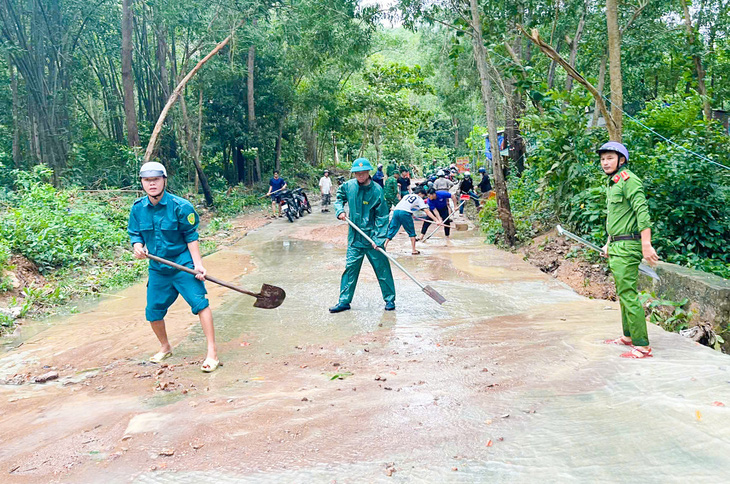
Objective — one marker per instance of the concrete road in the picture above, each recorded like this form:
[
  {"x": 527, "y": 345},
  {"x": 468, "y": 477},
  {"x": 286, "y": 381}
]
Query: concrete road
[{"x": 508, "y": 381}]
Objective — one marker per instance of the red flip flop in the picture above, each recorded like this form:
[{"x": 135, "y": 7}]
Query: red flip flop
[{"x": 637, "y": 354}]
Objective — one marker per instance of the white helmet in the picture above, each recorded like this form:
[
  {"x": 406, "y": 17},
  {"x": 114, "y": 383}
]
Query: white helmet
[
  {"x": 152, "y": 169},
  {"x": 467, "y": 173},
  {"x": 441, "y": 173}
]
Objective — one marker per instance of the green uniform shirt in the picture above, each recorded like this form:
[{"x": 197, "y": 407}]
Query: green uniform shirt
[
  {"x": 368, "y": 211},
  {"x": 391, "y": 188},
  {"x": 628, "y": 212},
  {"x": 165, "y": 228}
]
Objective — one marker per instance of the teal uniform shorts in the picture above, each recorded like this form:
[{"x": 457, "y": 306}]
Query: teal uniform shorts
[
  {"x": 404, "y": 219},
  {"x": 163, "y": 289}
]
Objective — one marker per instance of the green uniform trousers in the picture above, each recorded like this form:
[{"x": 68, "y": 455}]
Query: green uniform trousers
[
  {"x": 624, "y": 259},
  {"x": 353, "y": 263}
]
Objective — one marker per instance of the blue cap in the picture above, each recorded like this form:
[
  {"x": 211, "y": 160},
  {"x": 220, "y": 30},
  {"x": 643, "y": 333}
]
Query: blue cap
[{"x": 616, "y": 147}]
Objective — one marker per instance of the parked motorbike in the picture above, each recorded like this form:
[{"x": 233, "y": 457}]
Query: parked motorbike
[
  {"x": 302, "y": 201},
  {"x": 289, "y": 205}
]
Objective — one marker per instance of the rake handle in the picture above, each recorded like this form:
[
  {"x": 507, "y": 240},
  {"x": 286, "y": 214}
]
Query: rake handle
[
  {"x": 391, "y": 258},
  {"x": 207, "y": 277}
]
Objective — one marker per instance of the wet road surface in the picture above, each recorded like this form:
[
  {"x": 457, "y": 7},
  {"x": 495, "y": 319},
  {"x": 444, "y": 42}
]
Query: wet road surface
[{"x": 508, "y": 381}]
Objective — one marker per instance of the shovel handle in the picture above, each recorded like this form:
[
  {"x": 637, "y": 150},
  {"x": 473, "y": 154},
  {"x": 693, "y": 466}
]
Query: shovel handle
[
  {"x": 269, "y": 194},
  {"x": 195, "y": 273},
  {"x": 447, "y": 218},
  {"x": 391, "y": 258}
]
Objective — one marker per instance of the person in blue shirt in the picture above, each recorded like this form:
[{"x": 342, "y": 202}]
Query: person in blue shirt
[
  {"x": 277, "y": 185},
  {"x": 379, "y": 176},
  {"x": 438, "y": 203},
  {"x": 167, "y": 226}
]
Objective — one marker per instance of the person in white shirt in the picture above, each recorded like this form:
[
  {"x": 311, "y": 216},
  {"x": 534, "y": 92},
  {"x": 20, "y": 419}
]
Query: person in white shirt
[
  {"x": 403, "y": 216},
  {"x": 325, "y": 186}
]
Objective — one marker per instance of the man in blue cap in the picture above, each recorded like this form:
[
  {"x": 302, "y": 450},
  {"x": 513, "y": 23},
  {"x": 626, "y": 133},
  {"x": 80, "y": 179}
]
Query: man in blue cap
[
  {"x": 167, "y": 226},
  {"x": 369, "y": 211}
]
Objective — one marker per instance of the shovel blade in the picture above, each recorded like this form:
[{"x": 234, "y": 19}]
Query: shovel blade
[
  {"x": 270, "y": 297},
  {"x": 433, "y": 294}
]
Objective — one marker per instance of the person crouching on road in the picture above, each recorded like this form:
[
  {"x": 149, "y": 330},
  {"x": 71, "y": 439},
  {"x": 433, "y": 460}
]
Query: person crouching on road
[
  {"x": 276, "y": 186},
  {"x": 325, "y": 187},
  {"x": 629, "y": 238},
  {"x": 438, "y": 202},
  {"x": 403, "y": 216},
  {"x": 167, "y": 226},
  {"x": 369, "y": 211}
]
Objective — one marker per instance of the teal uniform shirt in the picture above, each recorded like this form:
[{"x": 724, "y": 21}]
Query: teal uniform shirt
[
  {"x": 166, "y": 229},
  {"x": 368, "y": 211}
]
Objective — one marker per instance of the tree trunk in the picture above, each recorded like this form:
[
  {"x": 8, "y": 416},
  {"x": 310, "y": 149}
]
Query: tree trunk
[
  {"x": 336, "y": 154},
  {"x": 480, "y": 55},
  {"x": 194, "y": 154},
  {"x": 601, "y": 84},
  {"x": 455, "y": 123},
  {"x": 551, "y": 71},
  {"x": 614, "y": 58},
  {"x": 277, "y": 161},
  {"x": 252, "y": 129},
  {"x": 574, "y": 46},
  {"x": 127, "y": 80},
  {"x": 514, "y": 108},
  {"x": 16, "y": 118},
  {"x": 706, "y": 107}
]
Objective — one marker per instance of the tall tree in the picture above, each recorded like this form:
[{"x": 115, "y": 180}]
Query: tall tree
[
  {"x": 614, "y": 69},
  {"x": 130, "y": 114},
  {"x": 697, "y": 60}
]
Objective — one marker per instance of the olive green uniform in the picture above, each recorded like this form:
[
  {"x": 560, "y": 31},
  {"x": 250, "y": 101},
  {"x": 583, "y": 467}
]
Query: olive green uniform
[
  {"x": 391, "y": 191},
  {"x": 628, "y": 214},
  {"x": 368, "y": 210}
]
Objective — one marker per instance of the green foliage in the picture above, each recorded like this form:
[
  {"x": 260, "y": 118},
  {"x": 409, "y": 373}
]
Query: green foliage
[
  {"x": 54, "y": 229},
  {"x": 673, "y": 316},
  {"x": 688, "y": 198}
]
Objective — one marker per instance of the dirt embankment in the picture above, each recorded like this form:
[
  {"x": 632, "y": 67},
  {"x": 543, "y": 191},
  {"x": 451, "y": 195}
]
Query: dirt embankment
[{"x": 549, "y": 253}]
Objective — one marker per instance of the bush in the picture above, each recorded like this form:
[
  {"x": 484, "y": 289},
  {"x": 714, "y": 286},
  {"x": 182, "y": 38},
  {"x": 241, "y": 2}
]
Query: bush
[{"x": 52, "y": 229}]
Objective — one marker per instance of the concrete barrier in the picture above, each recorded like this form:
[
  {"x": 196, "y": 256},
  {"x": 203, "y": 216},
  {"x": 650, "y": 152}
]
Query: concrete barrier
[{"x": 709, "y": 293}]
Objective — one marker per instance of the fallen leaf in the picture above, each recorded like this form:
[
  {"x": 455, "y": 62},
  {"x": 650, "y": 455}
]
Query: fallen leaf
[
  {"x": 718, "y": 404},
  {"x": 698, "y": 415},
  {"x": 489, "y": 443},
  {"x": 245, "y": 343}
]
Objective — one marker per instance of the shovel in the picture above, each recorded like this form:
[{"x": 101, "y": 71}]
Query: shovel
[
  {"x": 644, "y": 268},
  {"x": 447, "y": 218},
  {"x": 430, "y": 292},
  {"x": 270, "y": 296},
  {"x": 457, "y": 227}
]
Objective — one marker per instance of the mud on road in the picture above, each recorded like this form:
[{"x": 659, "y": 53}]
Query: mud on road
[{"x": 507, "y": 381}]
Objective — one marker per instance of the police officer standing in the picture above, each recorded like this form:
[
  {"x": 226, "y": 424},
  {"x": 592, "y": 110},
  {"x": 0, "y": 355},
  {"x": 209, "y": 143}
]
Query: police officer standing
[
  {"x": 629, "y": 238},
  {"x": 167, "y": 226},
  {"x": 369, "y": 211}
]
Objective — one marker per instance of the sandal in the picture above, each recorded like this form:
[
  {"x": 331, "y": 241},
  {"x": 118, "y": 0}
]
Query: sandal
[
  {"x": 637, "y": 353},
  {"x": 416, "y": 252},
  {"x": 210, "y": 365},
  {"x": 160, "y": 357},
  {"x": 617, "y": 341}
]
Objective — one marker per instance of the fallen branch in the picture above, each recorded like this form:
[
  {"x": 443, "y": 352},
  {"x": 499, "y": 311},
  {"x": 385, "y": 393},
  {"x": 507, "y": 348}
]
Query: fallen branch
[
  {"x": 176, "y": 94},
  {"x": 550, "y": 52}
]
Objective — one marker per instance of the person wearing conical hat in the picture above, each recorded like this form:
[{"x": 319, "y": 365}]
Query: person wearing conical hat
[{"x": 369, "y": 211}]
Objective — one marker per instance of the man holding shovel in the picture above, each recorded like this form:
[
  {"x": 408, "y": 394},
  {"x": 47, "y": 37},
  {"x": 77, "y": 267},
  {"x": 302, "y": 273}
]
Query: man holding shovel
[
  {"x": 167, "y": 226},
  {"x": 276, "y": 186},
  {"x": 629, "y": 238},
  {"x": 369, "y": 212}
]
